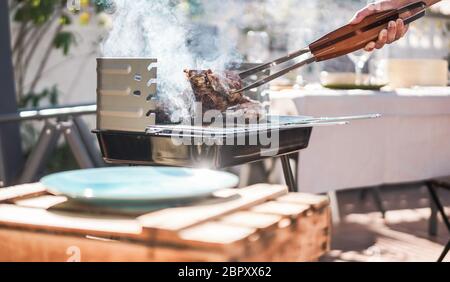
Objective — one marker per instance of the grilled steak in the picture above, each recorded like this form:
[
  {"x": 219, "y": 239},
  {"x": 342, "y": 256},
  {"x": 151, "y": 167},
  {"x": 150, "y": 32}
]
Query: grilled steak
[{"x": 214, "y": 91}]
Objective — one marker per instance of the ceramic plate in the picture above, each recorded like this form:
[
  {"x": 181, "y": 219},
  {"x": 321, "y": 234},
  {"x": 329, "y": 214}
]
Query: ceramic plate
[{"x": 138, "y": 184}]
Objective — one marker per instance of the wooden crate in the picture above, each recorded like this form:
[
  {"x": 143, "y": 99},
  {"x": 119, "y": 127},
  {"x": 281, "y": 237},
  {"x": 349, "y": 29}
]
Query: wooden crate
[{"x": 257, "y": 223}]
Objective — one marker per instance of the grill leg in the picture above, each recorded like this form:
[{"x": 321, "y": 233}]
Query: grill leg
[
  {"x": 288, "y": 175},
  {"x": 244, "y": 175}
]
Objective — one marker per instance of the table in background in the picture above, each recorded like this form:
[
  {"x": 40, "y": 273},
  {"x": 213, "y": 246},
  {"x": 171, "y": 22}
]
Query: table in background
[{"x": 410, "y": 143}]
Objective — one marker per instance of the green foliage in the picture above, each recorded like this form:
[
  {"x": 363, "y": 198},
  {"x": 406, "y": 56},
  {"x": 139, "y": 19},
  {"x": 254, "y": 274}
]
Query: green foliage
[
  {"x": 63, "y": 40},
  {"x": 36, "y": 11},
  {"x": 61, "y": 160},
  {"x": 40, "y": 12},
  {"x": 41, "y": 25},
  {"x": 34, "y": 100},
  {"x": 65, "y": 20}
]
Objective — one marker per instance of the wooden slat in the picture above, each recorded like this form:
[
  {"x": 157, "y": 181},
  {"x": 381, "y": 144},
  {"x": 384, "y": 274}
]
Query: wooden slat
[
  {"x": 28, "y": 246},
  {"x": 40, "y": 219},
  {"x": 316, "y": 201},
  {"x": 307, "y": 235},
  {"x": 268, "y": 231},
  {"x": 218, "y": 238},
  {"x": 41, "y": 202},
  {"x": 249, "y": 226},
  {"x": 22, "y": 191},
  {"x": 169, "y": 222},
  {"x": 63, "y": 204},
  {"x": 287, "y": 242},
  {"x": 252, "y": 220},
  {"x": 215, "y": 234},
  {"x": 280, "y": 208}
]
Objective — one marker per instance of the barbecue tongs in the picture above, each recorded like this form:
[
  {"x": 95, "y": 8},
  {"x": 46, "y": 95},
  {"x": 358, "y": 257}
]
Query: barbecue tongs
[{"x": 342, "y": 41}]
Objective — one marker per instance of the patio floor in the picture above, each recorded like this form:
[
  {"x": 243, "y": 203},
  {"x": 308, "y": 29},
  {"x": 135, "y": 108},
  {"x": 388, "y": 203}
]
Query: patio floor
[{"x": 363, "y": 235}]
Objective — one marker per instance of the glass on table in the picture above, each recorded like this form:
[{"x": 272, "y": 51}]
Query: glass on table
[{"x": 359, "y": 59}]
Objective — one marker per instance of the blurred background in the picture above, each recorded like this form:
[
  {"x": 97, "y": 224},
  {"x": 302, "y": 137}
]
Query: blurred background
[
  {"x": 54, "y": 48},
  {"x": 55, "y": 44}
]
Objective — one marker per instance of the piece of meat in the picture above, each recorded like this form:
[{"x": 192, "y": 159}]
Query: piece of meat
[
  {"x": 215, "y": 92},
  {"x": 249, "y": 112}
]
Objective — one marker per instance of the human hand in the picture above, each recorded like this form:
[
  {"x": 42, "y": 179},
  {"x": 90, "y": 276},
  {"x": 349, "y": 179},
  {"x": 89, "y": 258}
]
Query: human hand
[{"x": 396, "y": 29}]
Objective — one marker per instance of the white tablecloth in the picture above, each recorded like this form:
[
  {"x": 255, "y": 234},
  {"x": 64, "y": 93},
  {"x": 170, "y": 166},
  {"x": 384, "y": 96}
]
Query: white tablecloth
[{"x": 411, "y": 142}]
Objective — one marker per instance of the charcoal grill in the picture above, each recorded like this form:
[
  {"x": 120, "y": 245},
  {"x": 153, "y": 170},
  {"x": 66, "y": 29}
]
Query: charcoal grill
[{"x": 128, "y": 133}]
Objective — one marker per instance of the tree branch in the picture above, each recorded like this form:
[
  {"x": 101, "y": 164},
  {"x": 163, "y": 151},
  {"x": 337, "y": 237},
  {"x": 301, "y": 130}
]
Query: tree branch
[
  {"x": 27, "y": 49},
  {"x": 34, "y": 41},
  {"x": 44, "y": 60},
  {"x": 17, "y": 56}
]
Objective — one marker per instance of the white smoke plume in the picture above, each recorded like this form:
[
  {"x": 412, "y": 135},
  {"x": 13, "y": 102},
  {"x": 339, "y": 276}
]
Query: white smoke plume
[
  {"x": 160, "y": 29},
  {"x": 156, "y": 29}
]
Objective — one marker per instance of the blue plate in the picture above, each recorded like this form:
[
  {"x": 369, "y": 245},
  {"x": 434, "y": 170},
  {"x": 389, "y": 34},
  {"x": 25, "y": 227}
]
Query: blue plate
[{"x": 137, "y": 185}]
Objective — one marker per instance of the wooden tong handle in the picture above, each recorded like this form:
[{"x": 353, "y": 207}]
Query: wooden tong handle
[{"x": 350, "y": 38}]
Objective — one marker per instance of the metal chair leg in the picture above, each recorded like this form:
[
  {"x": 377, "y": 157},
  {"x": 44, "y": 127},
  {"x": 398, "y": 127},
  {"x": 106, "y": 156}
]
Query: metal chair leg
[
  {"x": 378, "y": 201},
  {"x": 440, "y": 208},
  {"x": 89, "y": 142},
  {"x": 47, "y": 144},
  {"x": 39, "y": 156},
  {"x": 76, "y": 144},
  {"x": 433, "y": 221},
  {"x": 435, "y": 198},
  {"x": 444, "y": 253},
  {"x": 376, "y": 193}
]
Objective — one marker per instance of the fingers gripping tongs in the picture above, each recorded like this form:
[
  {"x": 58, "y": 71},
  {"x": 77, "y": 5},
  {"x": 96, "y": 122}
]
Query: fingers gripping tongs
[{"x": 342, "y": 41}]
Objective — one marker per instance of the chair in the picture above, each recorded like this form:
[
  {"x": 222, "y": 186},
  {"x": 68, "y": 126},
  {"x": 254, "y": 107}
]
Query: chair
[{"x": 436, "y": 206}]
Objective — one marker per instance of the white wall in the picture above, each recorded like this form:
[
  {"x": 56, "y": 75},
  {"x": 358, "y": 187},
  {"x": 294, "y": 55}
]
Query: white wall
[{"x": 75, "y": 74}]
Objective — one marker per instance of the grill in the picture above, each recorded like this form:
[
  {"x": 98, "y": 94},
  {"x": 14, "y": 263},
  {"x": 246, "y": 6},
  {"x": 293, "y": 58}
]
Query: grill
[
  {"x": 128, "y": 134},
  {"x": 212, "y": 147}
]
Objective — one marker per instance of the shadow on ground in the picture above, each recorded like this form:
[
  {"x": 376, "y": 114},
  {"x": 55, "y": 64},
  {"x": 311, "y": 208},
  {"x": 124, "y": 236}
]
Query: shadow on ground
[{"x": 363, "y": 235}]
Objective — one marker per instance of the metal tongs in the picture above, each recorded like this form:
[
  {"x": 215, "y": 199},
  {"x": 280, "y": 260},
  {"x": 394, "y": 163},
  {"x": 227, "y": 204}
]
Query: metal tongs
[{"x": 342, "y": 41}]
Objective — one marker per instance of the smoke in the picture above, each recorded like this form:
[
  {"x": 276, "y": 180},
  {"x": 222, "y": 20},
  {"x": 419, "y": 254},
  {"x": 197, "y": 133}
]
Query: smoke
[
  {"x": 154, "y": 29},
  {"x": 181, "y": 38},
  {"x": 161, "y": 29}
]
